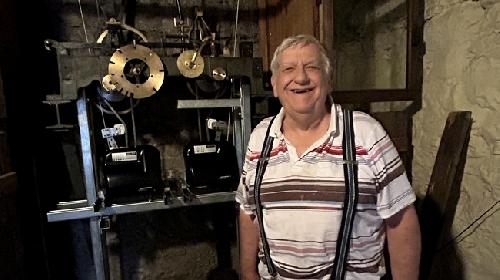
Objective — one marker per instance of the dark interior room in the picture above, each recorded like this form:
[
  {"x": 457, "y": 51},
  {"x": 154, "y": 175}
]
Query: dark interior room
[{"x": 128, "y": 127}]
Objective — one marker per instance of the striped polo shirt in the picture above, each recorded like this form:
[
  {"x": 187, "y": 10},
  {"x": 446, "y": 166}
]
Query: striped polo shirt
[{"x": 302, "y": 198}]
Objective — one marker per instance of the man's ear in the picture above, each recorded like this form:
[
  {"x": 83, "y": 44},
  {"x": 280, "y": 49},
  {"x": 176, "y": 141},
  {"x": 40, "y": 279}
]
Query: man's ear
[{"x": 273, "y": 84}]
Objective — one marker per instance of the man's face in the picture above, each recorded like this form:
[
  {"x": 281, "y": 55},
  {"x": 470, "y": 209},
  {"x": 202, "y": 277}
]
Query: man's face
[{"x": 300, "y": 84}]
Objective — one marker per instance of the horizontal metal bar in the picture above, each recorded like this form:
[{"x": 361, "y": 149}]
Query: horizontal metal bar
[
  {"x": 208, "y": 103},
  {"x": 77, "y": 45},
  {"x": 72, "y": 204},
  {"x": 117, "y": 209}
]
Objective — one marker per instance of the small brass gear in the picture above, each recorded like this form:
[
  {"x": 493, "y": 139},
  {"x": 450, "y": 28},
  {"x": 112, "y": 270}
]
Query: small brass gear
[{"x": 190, "y": 64}]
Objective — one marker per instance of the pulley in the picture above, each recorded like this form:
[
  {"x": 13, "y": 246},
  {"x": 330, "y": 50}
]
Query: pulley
[{"x": 219, "y": 74}]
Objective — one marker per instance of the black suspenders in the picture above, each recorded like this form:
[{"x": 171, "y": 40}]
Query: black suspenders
[
  {"x": 261, "y": 168},
  {"x": 350, "y": 201}
]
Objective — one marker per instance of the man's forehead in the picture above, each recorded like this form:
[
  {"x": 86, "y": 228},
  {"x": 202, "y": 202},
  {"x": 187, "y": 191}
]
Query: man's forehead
[
  {"x": 299, "y": 46},
  {"x": 292, "y": 59}
]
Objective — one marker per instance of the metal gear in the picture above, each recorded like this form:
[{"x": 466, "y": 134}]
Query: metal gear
[
  {"x": 134, "y": 70},
  {"x": 190, "y": 64}
]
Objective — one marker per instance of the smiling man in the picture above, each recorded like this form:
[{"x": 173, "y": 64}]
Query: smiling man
[
  {"x": 301, "y": 196},
  {"x": 302, "y": 85}
]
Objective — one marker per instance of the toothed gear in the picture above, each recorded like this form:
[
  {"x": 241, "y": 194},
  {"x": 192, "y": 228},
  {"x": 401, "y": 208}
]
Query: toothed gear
[{"x": 135, "y": 70}]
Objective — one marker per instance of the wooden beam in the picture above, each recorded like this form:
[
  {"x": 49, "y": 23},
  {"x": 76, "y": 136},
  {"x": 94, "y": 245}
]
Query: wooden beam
[
  {"x": 7, "y": 184},
  {"x": 371, "y": 95},
  {"x": 263, "y": 34},
  {"x": 10, "y": 240},
  {"x": 415, "y": 47},
  {"x": 438, "y": 208},
  {"x": 326, "y": 23},
  {"x": 5, "y": 165}
]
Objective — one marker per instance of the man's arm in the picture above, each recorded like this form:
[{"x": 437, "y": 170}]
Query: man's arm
[
  {"x": 249, "y": 246},
  {"x": 403, "y": 237}
]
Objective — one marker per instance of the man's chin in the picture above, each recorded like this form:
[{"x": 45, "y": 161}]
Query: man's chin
[{"x": 305, "y": 111}]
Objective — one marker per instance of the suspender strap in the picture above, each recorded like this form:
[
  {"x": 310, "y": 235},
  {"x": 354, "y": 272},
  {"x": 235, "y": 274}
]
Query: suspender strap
[
  {"x": 351, "y": 197},
  {"x": 261, "y": 168}
]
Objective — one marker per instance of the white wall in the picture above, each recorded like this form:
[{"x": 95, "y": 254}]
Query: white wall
[{"x": 462, "y": 72}]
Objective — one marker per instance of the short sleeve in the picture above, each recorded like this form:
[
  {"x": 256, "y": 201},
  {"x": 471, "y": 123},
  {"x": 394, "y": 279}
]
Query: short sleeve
[
  {"x": 394, "y": 191},
  {"x": 244, "y": 193}
]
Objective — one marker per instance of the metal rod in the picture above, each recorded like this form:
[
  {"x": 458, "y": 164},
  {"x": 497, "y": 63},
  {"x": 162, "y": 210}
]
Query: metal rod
[
  {"x": 86, "y": 145},
  {"x": 208, "y": 103},
  {"x": 90, "y": 185},
  {"x": 236, "y": 27},
  {"x": 58, "y": 116},
  {"x": 246, "y": 123},
  {"x": 98, "y": 249},
  {"x": 134, "y": 133},
  {"x": 179, "y": 10}
]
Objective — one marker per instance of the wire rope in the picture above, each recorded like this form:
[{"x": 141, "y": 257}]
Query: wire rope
[{"x": 236, "y": 27}]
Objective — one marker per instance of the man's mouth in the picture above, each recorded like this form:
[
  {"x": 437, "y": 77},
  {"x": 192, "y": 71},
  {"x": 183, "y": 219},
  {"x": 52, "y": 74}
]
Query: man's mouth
[{"x": 302, "y": 90}]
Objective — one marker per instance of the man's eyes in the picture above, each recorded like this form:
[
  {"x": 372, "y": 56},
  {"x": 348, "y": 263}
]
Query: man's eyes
[
  {"x": 307, "y": 67},
  {"x": 312, "y": 67}
]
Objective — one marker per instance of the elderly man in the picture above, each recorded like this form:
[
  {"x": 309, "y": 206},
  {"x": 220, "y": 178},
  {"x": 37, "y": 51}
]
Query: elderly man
[{"x": 302, "y": 190}]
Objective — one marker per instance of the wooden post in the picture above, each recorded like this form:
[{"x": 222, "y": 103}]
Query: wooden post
[
  {"x": 438, "y": 208},
  {"x": 10, "y": 241},
  {"x": 5, "y": 165}
]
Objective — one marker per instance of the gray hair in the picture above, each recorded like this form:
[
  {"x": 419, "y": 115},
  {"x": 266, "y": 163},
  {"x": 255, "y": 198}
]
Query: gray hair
[{"x": 302, "y": 39}]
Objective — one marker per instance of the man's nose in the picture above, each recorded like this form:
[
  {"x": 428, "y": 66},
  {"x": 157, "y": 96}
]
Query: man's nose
[{"x": 301, "y": 75}]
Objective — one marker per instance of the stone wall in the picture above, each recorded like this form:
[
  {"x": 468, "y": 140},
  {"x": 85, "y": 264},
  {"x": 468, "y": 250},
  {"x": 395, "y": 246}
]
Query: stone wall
[
  {"x": 461, "y": 70},
  {"x": 155, "y": 19}
]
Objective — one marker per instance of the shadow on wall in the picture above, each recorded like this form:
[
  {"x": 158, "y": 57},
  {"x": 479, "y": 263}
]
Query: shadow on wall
[{"x": 440, "y": 260}]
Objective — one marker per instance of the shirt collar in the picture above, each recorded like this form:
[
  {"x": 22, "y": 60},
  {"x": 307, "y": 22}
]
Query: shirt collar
[{"x": 276, "y": 132}]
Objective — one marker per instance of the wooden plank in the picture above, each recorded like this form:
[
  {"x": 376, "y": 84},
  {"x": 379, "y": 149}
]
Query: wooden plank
[
  {"x": 10, "y": 243},
  {"x": 3, "y": 112},
  {"x": 5, "y": 165},
  {"x": 275, "y": 25},
  {"x": 263, "y": 34},
  {"x": 438, "y": 208},
  {"x": 7, "y": 184},
  {"x": 280, "y": 19},
  {"x": 299, "y": 17},
  {"x": 415, "y": 47},
  {"x": 326, "y": 23}
]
